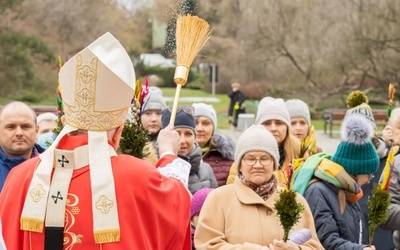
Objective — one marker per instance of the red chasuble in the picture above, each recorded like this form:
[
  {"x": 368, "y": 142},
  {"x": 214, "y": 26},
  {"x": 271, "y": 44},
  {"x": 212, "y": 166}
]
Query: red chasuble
[{"x": 153, "y": 210}]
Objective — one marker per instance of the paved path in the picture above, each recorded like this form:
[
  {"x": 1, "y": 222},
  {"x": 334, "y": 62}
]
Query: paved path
[{"x": 325, "y": 142}]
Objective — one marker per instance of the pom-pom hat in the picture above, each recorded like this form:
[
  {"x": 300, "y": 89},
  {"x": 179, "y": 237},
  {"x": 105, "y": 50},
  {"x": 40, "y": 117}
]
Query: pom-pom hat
[
  {"x": 256, "y": 138},
  {"x": 356, "y": 153},
  {"x": 357, "y": 102}
]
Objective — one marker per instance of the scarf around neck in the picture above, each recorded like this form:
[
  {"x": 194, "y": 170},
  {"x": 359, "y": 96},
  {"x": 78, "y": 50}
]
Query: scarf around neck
[
  {"x": 321, "y": 167},
  {"x": 264, "y": 190}
]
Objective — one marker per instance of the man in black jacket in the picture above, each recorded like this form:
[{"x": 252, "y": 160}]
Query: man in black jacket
[{"x": 236, "y": 105}]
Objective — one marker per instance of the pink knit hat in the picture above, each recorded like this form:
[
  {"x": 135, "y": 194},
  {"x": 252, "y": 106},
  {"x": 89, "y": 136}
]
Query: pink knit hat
[{"x": 198, "y": 200}]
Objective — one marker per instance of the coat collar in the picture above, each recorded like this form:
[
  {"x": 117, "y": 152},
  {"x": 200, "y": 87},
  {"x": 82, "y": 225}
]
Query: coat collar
[{"x": 248, "y": 196}]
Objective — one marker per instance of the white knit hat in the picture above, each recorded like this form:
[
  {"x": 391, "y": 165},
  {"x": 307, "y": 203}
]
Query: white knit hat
[
  {"x": 206, "y": 110},
  {"x": 297, "y": 108},
  {"x": 272, "y": 109},
  {"x": 256, "y": 138},
  {"x": 97, "y": 87},
  {"x": 48, "y": 116}
]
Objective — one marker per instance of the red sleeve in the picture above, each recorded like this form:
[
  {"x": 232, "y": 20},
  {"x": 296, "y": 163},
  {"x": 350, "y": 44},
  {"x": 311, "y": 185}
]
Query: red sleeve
[{"x": 165, "y": 160}]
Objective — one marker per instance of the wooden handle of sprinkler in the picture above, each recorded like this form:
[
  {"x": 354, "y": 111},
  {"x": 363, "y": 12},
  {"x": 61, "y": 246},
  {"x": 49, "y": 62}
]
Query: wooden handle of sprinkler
[
  {"x": 175, "y": 105},
  {"x": 180, "y": 79}
]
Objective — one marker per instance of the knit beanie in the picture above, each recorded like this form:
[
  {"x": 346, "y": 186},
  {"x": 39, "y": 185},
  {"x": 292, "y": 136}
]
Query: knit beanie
[
  {"x": 206, "y": 110},
  {"x": 154, "y": 101},
  {"x": 182, "y": 119},
  {"x": 357, "y": 103},
  {"x": 365, "y": 110},
  {"x": 256, "y": 138},
  {"x": 298, "y": 109},
  {"x": 48, "y": 116},
  {"x": 356, "y": 153},
  {"x": 198, "y": 200},
  {"x": 272, "y": 109}
]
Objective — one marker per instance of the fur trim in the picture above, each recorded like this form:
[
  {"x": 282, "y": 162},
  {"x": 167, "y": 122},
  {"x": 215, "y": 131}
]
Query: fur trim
[
  {"x": 225, "y": 146},
  {"x": 356, "y": 129}
]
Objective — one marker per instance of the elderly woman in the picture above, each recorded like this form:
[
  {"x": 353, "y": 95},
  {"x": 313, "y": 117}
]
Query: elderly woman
[
  {"x": 218, "y": 150},
  {"x": 201, "y": 174},
  {"x": 274, "y": 116},
  {"x": 243, "y": 215},
  {"x": 332, "y": 186}
]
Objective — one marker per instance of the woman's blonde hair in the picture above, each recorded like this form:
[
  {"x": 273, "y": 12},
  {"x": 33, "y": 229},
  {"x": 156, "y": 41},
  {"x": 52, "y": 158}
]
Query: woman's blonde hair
[{"x": 291, "y": 147}]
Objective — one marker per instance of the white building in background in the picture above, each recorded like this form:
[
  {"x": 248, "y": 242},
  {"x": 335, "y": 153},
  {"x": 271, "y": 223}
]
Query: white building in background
[{"x": 153, "y": 60}]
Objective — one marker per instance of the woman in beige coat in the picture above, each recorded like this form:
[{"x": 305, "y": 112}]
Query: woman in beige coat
[{"x": 242, "y": 215}]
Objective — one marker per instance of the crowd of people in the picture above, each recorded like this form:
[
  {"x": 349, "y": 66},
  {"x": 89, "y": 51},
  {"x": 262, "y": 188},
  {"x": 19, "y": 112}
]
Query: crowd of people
[{"x": 75, "y": 190}]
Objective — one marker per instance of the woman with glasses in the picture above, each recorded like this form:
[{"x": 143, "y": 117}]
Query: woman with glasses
[
  {"x": 332, "y": 186},
  {"x": 242, "y": 215},
  {"x": 218, "y": 150},
  {"x": 274, "y": 116},
  {"x": 201, "y": 174}
]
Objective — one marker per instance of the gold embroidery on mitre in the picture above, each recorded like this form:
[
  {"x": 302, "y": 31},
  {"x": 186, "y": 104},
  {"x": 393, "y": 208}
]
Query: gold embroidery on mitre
[
  {"x": 37, "y": 193},
  {"x": 82, "y": 113},
  {"x": 104, "y": 204}
]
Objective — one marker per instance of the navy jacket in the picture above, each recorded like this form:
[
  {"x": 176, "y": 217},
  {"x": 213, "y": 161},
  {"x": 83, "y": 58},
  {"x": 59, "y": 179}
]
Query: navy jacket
[
  {"x": 6, "y": 164},
  {"x": 338, "y": 231}
]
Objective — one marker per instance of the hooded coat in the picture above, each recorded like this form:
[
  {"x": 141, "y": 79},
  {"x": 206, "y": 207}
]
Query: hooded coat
[{"x": 220, "y": 157}]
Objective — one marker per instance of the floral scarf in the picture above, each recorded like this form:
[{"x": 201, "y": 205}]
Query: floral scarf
[{"x": 264, "y": 190}]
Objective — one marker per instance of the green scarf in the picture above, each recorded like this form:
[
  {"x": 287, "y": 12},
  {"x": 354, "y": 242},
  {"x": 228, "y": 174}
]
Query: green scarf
[
  {"x": 320, "y": 166},
  {"x": 303, "y": 174}
]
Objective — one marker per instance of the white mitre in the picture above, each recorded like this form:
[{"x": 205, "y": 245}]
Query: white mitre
[{"x": 97, "y": 87}]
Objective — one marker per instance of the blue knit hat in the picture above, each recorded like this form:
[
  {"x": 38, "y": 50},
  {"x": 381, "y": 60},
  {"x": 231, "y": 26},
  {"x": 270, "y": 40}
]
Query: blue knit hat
[
  {"x": 356, "y": 153},
  {"x": 182, "y": 120}
]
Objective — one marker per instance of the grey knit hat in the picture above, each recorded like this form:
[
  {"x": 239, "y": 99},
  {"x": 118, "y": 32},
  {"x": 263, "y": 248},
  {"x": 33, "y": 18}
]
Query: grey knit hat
[
  {"x": 298, "y": 109},
  {"x": 206, "y": 110},
  {"x": 154, "y": 101},
  {"x": 272, "y": 109},
  {"x": 256, "y": 138}
]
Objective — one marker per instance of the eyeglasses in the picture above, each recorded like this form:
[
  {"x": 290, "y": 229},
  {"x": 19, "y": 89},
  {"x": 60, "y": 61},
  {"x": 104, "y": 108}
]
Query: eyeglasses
[
  {"x": 187, "y": 109},
  {"x": 371, "y": 176},
  {"x": 251, "y": 160}
]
